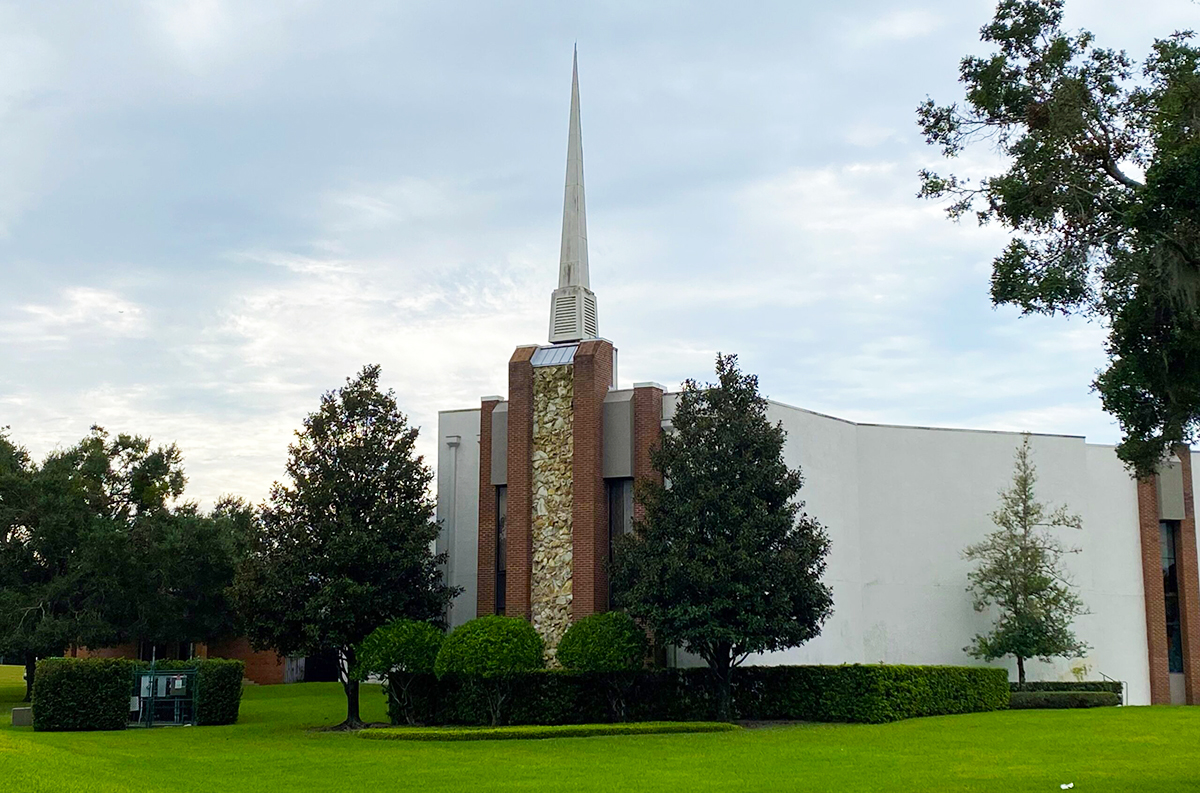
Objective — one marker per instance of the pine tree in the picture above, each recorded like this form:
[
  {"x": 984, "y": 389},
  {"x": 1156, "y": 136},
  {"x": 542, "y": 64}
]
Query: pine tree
[{"x": 1019, "y": 571}]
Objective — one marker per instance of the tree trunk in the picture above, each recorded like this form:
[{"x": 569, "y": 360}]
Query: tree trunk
[
  {"x": 1021, "y": 670},
  {"x": 30, "y": 670},
  {"x": 353, "y": 720},
  {"x": 722, "y": 668}
]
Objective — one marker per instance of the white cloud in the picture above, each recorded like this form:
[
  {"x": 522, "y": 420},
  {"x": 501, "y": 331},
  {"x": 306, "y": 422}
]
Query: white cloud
[
  {"x": 295, "y": 190},
  {"x": 898, "y": 25},
  {"x": 96, "y": 314}
]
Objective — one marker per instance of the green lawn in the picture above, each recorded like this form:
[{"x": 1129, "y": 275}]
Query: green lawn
[{"x": 1107, "y": 749}]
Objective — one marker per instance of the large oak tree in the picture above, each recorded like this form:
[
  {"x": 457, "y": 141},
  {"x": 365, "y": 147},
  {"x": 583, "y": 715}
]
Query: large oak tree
[
  {"x": 1102, "y": 192},
  {"x": 96, "y": 549}
]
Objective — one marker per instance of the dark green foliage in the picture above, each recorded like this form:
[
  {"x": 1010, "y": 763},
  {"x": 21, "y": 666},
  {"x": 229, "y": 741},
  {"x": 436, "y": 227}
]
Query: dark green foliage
[
  {"x": 219, "y": 697},
  {"x": 484, "y": 656},
  {"x": 1019, "y": 573},
  {"x": 607, "y": 642},
  {"x": 400, "y": 651},
  {"x": 94, "y": 549},
  {"x": 82, "y": 694},
  {"x": 400, "y": 646},
  {"x": 850, "y": 693},
  {"x": 490, "y": 647},
  {"x": 1078, "y": 123},
  {"x": 345, "y": 545},
  {"x": 1025, "y": 700},
  {"x": 1112, "y": 686},
  {"x": 545, "y": 731},
  {"x": 218, "y": 687},
  {"x": 726, "y": 563}
]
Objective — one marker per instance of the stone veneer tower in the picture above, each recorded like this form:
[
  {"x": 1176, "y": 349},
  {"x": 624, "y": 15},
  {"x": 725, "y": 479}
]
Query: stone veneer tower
[{"x": 548, "y": 518}]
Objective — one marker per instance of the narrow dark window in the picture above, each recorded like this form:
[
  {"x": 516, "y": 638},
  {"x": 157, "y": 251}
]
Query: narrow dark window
[
  {"x": 501, "y": 547},
  {"x": 1168, "y": 538},
  {"x": 620, "y": 509}
]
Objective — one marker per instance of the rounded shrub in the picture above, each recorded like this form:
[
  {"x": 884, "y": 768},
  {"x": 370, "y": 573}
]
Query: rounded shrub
[
  {"x": 490, "y": 647},
  {"x": 409, "y": 646},
  {"x": 608, "y": 642}
]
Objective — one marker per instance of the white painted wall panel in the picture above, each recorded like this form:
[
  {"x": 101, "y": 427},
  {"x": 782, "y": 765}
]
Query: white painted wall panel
[{"x": 458, "y": 506}]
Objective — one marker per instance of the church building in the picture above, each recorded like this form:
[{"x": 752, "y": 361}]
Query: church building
[{"x": 534, "y": 485}]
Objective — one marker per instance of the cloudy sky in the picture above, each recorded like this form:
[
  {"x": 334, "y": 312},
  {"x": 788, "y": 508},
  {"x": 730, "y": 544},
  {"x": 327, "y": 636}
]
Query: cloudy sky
[{"x": 211, "y": 212}]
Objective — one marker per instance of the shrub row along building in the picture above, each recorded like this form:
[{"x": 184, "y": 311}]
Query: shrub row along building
[{"x": 533, "y": 487}]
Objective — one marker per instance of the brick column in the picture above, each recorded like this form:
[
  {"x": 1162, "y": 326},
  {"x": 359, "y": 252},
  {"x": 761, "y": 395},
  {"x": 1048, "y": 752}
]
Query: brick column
[
  {"x": 1188, "y": 574},
  {"x": 485, "y": 591},
  {"x": 1152, "y": 585},
  {"x": 520, "y": 481},
  {"x": 589, "y": 511},
  {"x": 647, "y": 431}
]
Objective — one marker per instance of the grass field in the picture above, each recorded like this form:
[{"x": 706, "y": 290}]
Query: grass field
[{"x": 271, "y": 749}]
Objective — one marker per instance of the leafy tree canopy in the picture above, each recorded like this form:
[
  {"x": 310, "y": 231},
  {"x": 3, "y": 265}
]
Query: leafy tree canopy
[
  {"x": 95, "y": 550},
  {"x": 725, "y": 562},
  {"x": 1103, "y": 195}
]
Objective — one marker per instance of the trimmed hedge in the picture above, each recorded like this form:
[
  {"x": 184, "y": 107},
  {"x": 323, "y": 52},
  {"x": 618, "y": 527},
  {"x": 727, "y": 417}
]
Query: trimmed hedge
[
  {"x": 1072, "y": 685},
  {"x": 1029, "y": 700},
  {"x": 848, "y": 693},
  {"x": 218, "y": 687},
  {"x": 93, "y": 693},
  {"x": 82, "y": 693},
  {"x": 543, "y": 731}
]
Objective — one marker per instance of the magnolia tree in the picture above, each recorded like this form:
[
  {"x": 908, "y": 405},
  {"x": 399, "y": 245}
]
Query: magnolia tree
[
  {"x": 725, "y": 563},
  {"x": 345, "y": 546}
]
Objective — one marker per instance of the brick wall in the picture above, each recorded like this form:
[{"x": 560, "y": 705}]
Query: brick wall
[
  {"x": 593, "y": 376},
  {"x": 1188, "y": 576},
  {"x": 264, "y": 667},
  {"x": 117, "y": 651},
  {"x": 647, "y": 431},
  {"x": 485, "y": 593},
  {"x": 520, "y": 481},
  {"x": 1152, "y": 584}
]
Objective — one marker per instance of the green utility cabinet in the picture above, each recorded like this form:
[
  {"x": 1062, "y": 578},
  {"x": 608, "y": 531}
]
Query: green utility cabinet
[{"x": 163, "y": 697}]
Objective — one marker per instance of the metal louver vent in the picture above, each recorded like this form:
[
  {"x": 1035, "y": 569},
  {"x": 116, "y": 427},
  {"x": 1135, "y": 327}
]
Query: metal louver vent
[
  {"x": 590, "y": 326},
  {"x": 565, "y": 310}
]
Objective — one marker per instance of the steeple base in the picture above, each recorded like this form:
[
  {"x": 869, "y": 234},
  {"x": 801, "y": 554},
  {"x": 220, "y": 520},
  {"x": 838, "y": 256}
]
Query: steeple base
[{"x": 573, "y": 314}]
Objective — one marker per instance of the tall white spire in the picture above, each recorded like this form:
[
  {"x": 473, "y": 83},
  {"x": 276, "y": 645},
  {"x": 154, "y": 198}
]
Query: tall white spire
[
  {"x": 573, "y": 263},
  {"x": 573, "y": 306}
]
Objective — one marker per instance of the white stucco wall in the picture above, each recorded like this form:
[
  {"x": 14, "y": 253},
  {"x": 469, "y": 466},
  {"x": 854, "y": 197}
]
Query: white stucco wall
[
  {"x": 458, "y": 506},
  {"x": 900, "y": 504}
]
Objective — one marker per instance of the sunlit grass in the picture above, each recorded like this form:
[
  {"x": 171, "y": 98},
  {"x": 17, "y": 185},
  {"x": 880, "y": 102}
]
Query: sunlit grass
[{"x": 274, "y": 748}]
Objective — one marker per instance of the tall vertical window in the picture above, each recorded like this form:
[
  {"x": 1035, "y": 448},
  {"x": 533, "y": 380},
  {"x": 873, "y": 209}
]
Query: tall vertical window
[
  {"x": 620, "y": 509},
  {"x": 501, "y": 547},
  {"x": 1168, "y": 538}
]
